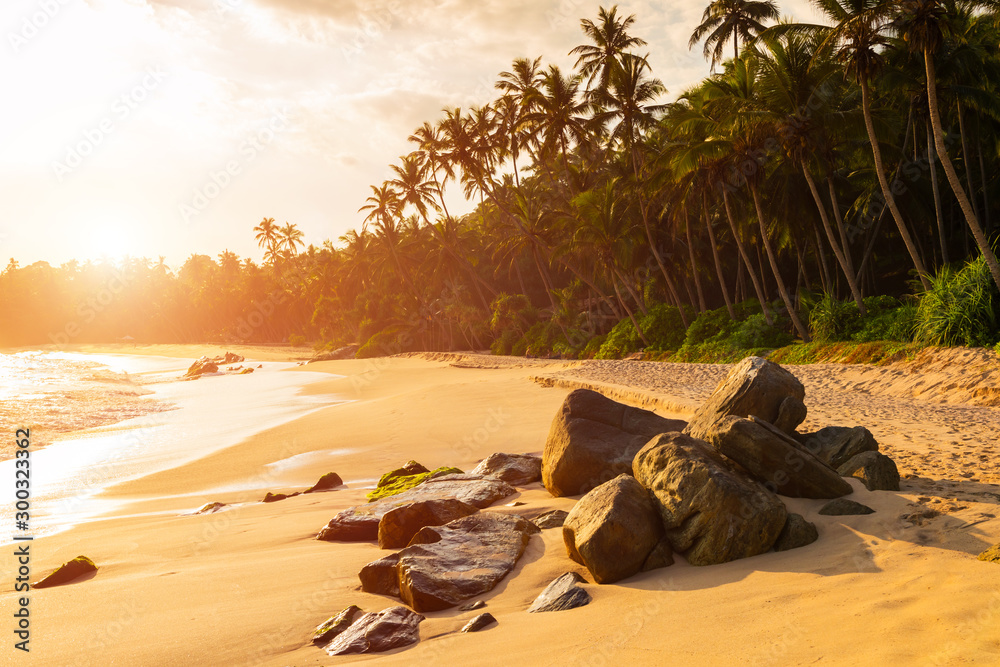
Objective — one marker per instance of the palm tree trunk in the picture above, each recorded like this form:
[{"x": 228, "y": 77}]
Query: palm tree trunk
[
  {"x": 694, "y": 264},
  {"x": 938, "y": 214},
  {"x": 970, "y": 177},
  {"x": 715, "y": 256},
  {"x": 949, "y": 170},
  {"x": 837, "y": 252},
  {"x": 841, "y": 227},
  {"x": 824, "y": 270},
  {"x": 890, "y": 200},
  {"x": 746, "y": 259},
  {"x": 782, "y": 290}
]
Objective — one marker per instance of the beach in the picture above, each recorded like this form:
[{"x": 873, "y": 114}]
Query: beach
[{"x": 247, "y": 585}]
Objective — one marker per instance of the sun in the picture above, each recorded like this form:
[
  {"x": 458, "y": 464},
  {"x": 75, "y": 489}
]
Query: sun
[{"x": 109, "y": 236}]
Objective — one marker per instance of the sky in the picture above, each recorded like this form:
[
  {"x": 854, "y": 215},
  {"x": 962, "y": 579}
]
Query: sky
[{"x": 171, "y": 127}]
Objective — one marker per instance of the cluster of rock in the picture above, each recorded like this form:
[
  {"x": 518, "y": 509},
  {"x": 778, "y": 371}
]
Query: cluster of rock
[
  {"x": 211, "y": 364},
  {"x": 327, "y": 482},
  {"x": 707, "y": 488}
]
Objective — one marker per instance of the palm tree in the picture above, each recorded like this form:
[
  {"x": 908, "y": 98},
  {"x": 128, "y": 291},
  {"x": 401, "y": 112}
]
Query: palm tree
[
  {"x": 291, "y": 238},
  {"x": 267, "y": 237},
  {"x": 734, "y": 20},
  {"x": 610, "y": 39},
  {"x": 559, "y": 113},
  {"x": 520, "y": 87}
]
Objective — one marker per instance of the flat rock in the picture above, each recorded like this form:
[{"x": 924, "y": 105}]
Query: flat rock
[
  {"x": 327, "y": 482},
  {"x": 515, "y": 469},
  {"x": 775, "y": 459},
  {"x": 991, "y": 555},
  {"x": 836, "y": 445},
  {"x": 563, "y": 593},
  {"x": 712, "y": 512},
  {"x": 360, "y": 524},
  {"x": 754, "y": 387},
  {"x": 844, "y": 507},
  {"x": 613, "y": 529},
  {"x": 445, "y": 565},
  {"x": 386, "y": 630},
  {"x": 484, "y": 620},
  {"x": 550, "y": 519},
  {"x": 398, "y": 526},
  {"x": 593, "y": 439},
  {"x": 67, "y": 572},
  {"x": 332, "y": 627},
  {"x": 877, "y": 471},
  {"x": 797, "y": 533}
]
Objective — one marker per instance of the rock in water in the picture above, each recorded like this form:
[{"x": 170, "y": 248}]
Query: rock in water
[
  {"x": 756, "y": 387},
  {"x": 877, "y": 471},
  {"x": 613, "y": 529},
  {"x": 991, "y": 555},
  {"x": 594, "y": 439},
  {"x": 563, "y": 593},
  {"x": 333, "y": 626},
  {"x": 67, "y": 572},
  {"x": 836, "y": 445},
  {"x": 374, "y": 633},
  {"x": 775, "y": 459},
  {"x": 358, "y": 524},
  {"x": 201, "y": 366},
  {"x": 797, "y": 533},
  {"x": 711, "y": 511},
  {"x": 551, "y": 519},
  {"x": 400, "y": 524},
  {"x": 327, "y": 482},
  {"x": 445, "y": 565},
  {"x": 844, "y": 507},
  {"x": 479, "y": 622},
  {"x": 515, "y": 469}
]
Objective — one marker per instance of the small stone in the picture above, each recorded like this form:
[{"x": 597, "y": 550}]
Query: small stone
[
  {"x": 563, "y": 593},
  {"x": 552, "y": 519},
  {"x": 67, "y": 572},
  {"x": 516, "y": 503},
  {"x": 797, "y": 533},
  {"x": 275, "y": 497},
  {"x": 472, "y": 606},
  {"x": 327, "y": 482},
  {"x": 479, "y": 622},
  {"x": 845, "y": 507},
  {"x": 991, "y": 555},
  {"x": 333, "y": 626}
]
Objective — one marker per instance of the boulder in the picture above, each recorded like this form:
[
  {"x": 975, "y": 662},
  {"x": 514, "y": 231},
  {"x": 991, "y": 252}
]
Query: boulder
[
  {"x": 754, "y": 387},
  {"x": 446, "y": 565},
  {"x": 991, "y": 555},
  {"x": 594, "y": 439},
  {"x": 479, "y": 622},
  {"x": 359, "y": 524},
  {"x": 232, "y": 358},
  {"x": 877, "y": 471},
  {"x": 775, "y": 459},
  {"x": 409, "y": 468},
  {"x": 327, "y": 482},
  {"x": 563, "y": 593},
  {"x": 613, "y": 529},
  {"x": 400, "y": 524},
  {"x": 201, "y": 366},
  {"x": 844, "y": 507},
  {"x": 515, "y": 469},
  {"x": 398, "y": 483},
  {"x": 836, "y": 445},
  {"x": 797, "y": 533},
  {"x": 329, "y": 629},
  {"x": 67, "y": 572},
  {"x": 388, "y": 629},
  {"x": 551, "y": 519},
  {"x": 662, "y": 555},
  {"x": 346, "y": 352},
  {"x": 712, "y": 512}
]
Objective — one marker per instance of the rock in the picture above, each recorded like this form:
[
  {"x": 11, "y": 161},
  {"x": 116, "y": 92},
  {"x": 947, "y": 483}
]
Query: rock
[
  {"x": 399, "y": 483},
  {"x": 479, "y": 622},
  {"x": 346, "y": 352},
  {"x": 756, "y": 387},
  {"x": 711, "y": 511},
  {"x": 797, "y": 533},
  {"x": 358, "y": 524},
  {"x": 232, "y": 358},
  {"x": 333, "y": 626},
  {"x": 612, "y": 529},
  {"x": 844, "y": 507},
  {"x": 374, "y": 633},
  {"x": 991, "y": 555},
  {"x": 515, "y": 503},
  {"x": 551, "y": 519},
  {"x": 409, "y": 468},
  {"x": 327, "y": 482},
  {"x": 836, "y": 445},
  {"x": 472, "y": 606},
  {"x": 400, "y": 524},
  {"x": 515, "y": 469},
  {"x": 446, "y": 565},
  {"x": 662, "y": 555},
  {"x": 209, "y": 508},
  {"x": 275, "y": 497},
  {"x": 201, "y": 366},
  {"x": 594, "y": 439},
  {"x": 775, "y": 459},
  {"x": 563, "y": 593},
  {"x": 67, "y": 572},
  {"x": 877, "y": 471}
]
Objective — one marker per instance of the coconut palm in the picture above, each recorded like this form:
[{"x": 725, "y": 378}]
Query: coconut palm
[
  {"x": 291, "y": 238},
  {"x": 736, "y": 20},
  {"x": 610, "y": 39},
  {"x": 267, "y": 237}
]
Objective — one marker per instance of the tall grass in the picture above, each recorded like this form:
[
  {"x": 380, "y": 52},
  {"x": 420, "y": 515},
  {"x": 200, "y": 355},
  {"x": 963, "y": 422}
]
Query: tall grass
[{"x": 959, "y": 308}]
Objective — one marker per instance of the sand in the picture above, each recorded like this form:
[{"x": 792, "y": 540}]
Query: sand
[{"x": 247, "y": 585}]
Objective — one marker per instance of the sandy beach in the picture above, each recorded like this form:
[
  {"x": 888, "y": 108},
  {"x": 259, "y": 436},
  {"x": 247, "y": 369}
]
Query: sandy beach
[{"x": 247, "y": 585}]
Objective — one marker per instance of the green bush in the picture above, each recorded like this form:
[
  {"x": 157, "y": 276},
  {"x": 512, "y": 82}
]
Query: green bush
[
  {"x": 663, "y": 327},
  {"x": 620, "y": 341},
  {"x": 296, "y": 340},
  {"x": 754, "y": 332},
  {"x": 833, "y": 321},
  {"x": 892, "y": 325},
  {"x": 959, "y": 308},
  {"x": 593, "y": 346}
]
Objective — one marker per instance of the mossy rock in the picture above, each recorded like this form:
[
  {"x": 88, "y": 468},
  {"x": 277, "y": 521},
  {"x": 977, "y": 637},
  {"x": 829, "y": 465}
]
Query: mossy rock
[
  {"x": 333, "y": 626},
  {"x": 68, "y": 572},
  {"x": 991, "y": 555},
  {"x": 397, "y": 485},
  {"x": 410, "y": 468}
]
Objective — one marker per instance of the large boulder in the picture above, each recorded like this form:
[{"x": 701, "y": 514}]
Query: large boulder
[
  {"x": 400, "y": 524},
  {"x": 754, "y": 387},
  {"x": 360, "y": 524},
  {"x": 775, "y": 459},
  {"x": 562, "y": 594},
  {"x": 594, "y": 439},
  {"x": 515, "y": 469},
  {"x": 836, "y": 445},
  {"x": 712, "y": 512},
  {"x": 446, "y": 565},
  {"x": 67, "y": 572},
  {"x": 388, "y": 629},
  {"x": 613, "y": 529},
  {"x": 877, "y": 471}
]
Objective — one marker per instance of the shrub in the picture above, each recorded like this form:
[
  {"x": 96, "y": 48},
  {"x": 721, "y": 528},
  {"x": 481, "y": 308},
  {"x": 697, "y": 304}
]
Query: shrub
[
  {"x": 959, "y": 308},
  {"x": 593, "y": 346},
  {"x": 296, "y": 340},
  {"x": 620, "y": 341},
  {"x": 754, "y": 332},
  {"x": 663, "y": 327}
]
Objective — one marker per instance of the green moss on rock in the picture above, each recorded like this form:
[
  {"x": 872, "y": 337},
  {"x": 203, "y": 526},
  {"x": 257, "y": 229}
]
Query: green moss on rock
[{"x": 398, "y": 484}]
